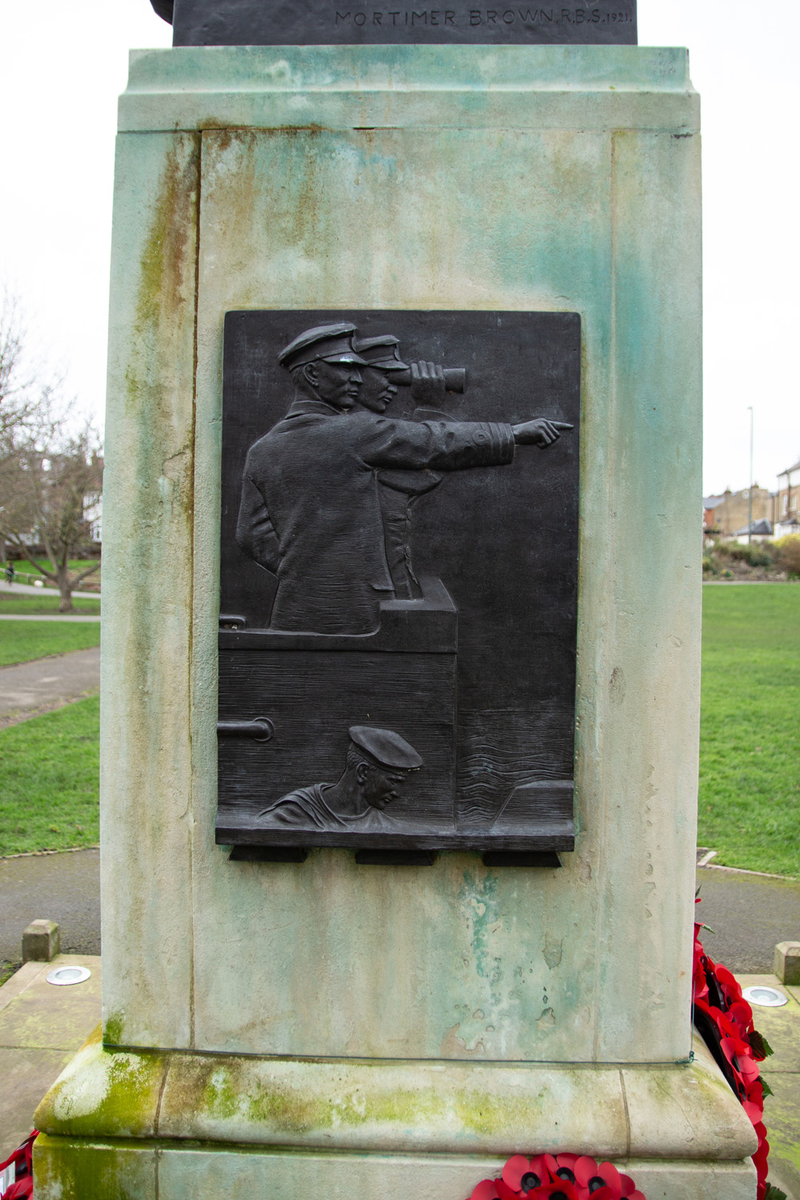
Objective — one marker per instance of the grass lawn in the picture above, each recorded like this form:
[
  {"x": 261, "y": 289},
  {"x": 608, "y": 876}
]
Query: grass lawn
[
  {"x": 22, "y": 641},
  {"x": 749, "y": 748},
  {"x": 22, "y": 604},
  {"x": 49, "y": 795},
  {"x": 750, "y": 727},
  {"x": 23, "y": 567}
]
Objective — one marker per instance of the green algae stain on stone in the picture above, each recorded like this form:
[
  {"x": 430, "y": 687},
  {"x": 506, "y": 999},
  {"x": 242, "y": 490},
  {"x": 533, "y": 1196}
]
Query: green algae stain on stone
[
  {"x": 230, "y": 1094},
  {"x": 168, "y": 257},
  {"x": 67, "y": 1170},
  {"x": 113, "y": 1029},
  {"x": 478, "y": 901},
  {"x": 106, "y": 1093}
]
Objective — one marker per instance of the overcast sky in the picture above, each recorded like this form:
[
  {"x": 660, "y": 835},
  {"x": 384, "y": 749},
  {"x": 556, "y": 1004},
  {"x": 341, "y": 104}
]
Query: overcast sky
[{"x": 63, "y": 62}]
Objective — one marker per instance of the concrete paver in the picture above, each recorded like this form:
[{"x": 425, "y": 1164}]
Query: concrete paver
[
  {"x": 33, "y": 687},
  {"x": 781, "y": 1028},
  {"x": 41, "y": 1028},
  {"x": 58, "y": 887}
]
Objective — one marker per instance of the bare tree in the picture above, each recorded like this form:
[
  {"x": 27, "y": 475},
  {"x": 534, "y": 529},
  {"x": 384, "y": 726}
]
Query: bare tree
[
  {"x": 28, "y": 391},
  {"x": 50, "y": 478}
]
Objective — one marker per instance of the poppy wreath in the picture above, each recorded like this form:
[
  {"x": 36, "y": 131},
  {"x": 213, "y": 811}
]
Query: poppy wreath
[
  {"x": 19, "y": 1168},
  {"x": 724, "y": 1020},
  {"x": 557, "y": 1177}
]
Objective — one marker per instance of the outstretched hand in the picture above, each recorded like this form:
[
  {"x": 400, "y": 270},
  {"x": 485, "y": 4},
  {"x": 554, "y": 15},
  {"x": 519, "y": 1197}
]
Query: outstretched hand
[
  {"x": 539, "y": 432},
  {"x": 427, "y": 384}
]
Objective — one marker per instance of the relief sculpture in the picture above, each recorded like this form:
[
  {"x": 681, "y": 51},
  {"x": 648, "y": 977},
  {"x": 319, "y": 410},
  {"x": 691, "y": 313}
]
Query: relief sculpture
[
  {"x": 399, "y": 579},
  {"x": 310, "y": 510},
  {"x": 377, "y": 763}
]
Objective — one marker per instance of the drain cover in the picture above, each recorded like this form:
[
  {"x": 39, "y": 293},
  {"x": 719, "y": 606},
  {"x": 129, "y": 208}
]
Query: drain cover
[
  {"x": 767, "y": 997},
  {"x": 62, "y": 976}
]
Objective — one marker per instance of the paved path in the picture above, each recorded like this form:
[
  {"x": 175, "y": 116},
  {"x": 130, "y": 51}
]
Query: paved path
[
  {"x": 34, "y": 687},
  {"x": 749, "y": 914},
  {"x": 58, "y": 887},
  {"x": 27, "y": 589},
  {"x": 47, "y": 617}
]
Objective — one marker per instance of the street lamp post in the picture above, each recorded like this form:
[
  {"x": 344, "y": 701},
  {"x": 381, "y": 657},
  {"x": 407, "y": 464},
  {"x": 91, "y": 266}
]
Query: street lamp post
[{"x": 750, "y": 503}]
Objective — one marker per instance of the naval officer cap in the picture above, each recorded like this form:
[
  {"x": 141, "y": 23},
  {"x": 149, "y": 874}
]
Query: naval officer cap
[
  {"x": 326, "y": 343},
  {"x": 381, "y": 352},
  {"x": 386, "y": 747}
]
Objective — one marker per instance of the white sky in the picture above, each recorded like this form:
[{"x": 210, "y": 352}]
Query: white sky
[{"x": 63, "y": 62}]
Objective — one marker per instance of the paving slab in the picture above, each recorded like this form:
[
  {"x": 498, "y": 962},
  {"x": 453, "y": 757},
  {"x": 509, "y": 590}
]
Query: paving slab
[
  {"x": 26, "y": 1076},
  {"x": 42, "y": 1026},
  {"x": 749, "y": 914},
  {"x": 781, "y": 1028},
  {"x": 62, "y": 887},
  {"x": 33, "y": 687}
]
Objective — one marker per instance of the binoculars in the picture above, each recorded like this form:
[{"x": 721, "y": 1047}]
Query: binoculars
[{"x": 455, "y": 378}]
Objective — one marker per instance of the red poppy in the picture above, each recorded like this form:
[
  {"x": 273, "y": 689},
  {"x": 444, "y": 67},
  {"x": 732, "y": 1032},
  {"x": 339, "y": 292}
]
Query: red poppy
[
  {"x": 485, "y": 1190},
  {"x": 740, "y": 1056},
  {"x": 741, "y": 1014},
  {"x": 508, "y": 1193},
  {"x": 523, "y": 1174},
  {"x": 593, "y": 1179},
  {"x": 731, "y": 989},
  {"x": 561, "y": 1189},
  {"x": 565, "y": 1167},
  {"x": 760, "y": 1160}
]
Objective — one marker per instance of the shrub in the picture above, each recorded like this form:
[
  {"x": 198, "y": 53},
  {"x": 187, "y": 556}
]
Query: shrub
[
  {"x": 788, "y": 554},
  {"x": 755, "y": 554}
]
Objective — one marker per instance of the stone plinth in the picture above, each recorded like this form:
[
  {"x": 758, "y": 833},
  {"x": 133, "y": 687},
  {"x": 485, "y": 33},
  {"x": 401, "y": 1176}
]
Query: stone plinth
[{"x": 516, "y": 1000}]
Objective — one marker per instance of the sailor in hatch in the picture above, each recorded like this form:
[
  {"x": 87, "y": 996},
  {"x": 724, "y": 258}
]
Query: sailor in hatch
[{"x": 378, "y": 761}]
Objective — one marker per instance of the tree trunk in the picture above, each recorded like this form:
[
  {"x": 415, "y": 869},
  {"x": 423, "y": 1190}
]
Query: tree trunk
[{"x": 65, "y": 604}]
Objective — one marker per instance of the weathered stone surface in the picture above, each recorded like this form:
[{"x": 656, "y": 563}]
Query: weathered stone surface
[
  {"x": 682, "y": 1120},
  {"x": 148, "y": 511},
  {"x": 105, "y": 1093},
  {"x": 419, "y": 87},
  {"x": 309, "y": 208},
  {"x": 787, "y": 962},
  {"x": 685, "y": 1112},
  {"x": 374, "y": 178},
  {"x": 41, "y": 941},
  {"x": 69, "y": 1170},
  {"x": 694, "y": 1181},
  {"x": 169, "y": 1172}
]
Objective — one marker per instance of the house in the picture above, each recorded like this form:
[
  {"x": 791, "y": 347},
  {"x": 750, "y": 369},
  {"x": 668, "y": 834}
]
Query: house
[
  {"x": 724, "y": 515},
  {"x": 786, "y": 510},
  {"x": 759, "y": 531}
]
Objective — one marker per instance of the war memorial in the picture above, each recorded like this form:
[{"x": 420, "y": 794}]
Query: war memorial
[{"x": 401, "y": 631}]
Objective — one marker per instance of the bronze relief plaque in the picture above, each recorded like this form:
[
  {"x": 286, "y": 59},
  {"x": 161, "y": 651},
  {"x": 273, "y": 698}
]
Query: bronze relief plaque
[
  {"x": 398, "y": 595},
  {"x": 363, "y": 22}
]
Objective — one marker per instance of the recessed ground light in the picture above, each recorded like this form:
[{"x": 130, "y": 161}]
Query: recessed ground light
[
  {"x": 767, "y": 997},
  {"x": 62, "y": 976}
]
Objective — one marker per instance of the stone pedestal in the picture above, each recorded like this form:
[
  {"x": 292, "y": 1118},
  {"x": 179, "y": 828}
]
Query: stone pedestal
[{"x": 273, "y": 1028}]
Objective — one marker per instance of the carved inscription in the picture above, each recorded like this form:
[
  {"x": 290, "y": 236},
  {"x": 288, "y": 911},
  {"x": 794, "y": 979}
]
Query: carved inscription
[
  {"x": 399, "y": 579},
  {"x": 456, "y": 18}
]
